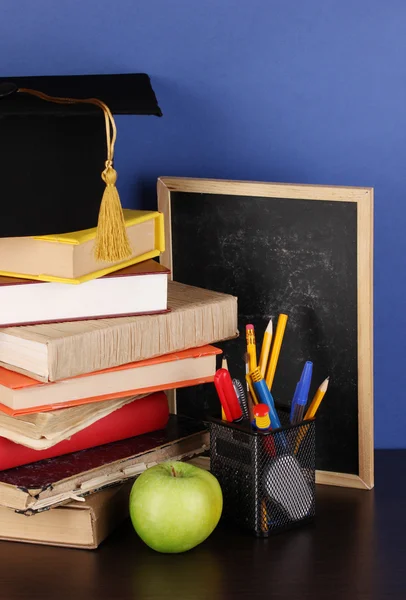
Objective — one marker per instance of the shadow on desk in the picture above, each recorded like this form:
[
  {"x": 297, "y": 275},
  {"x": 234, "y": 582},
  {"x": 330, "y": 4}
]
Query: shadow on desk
[{"x": 334, "y": 558}]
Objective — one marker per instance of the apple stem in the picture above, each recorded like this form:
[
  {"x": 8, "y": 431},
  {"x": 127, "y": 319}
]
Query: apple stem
[{"x": 173, "y": 470}]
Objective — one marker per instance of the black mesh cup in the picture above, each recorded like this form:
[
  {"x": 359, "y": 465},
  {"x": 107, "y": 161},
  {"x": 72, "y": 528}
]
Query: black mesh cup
[{"x": 267, "y": 478}]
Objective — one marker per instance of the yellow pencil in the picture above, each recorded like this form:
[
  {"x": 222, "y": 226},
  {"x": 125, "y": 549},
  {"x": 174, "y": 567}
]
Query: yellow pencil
[
  {"x": 250, "y": 399},
  {"x": 276, "y": 348},
  {"x": 318, "y": 397},
  {"x": 266, "y": 346},
  {"x": 251, "y": 347}
]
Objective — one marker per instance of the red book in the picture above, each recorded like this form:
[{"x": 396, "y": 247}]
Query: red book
[{"x": 141, "y": 416}]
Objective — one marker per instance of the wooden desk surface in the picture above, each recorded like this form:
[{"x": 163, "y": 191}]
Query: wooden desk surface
[{"x": 356, "y": 549}]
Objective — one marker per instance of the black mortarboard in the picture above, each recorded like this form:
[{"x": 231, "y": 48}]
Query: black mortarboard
[{"x": 54, "y": 148}]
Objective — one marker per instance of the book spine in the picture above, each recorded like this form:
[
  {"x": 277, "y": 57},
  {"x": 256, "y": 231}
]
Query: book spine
[
  {"x": 141, "y": 416},
  {"x": 142, "y": 338}
]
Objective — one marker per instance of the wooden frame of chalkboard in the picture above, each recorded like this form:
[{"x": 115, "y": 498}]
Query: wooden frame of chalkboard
[{"x": 310, "y": 249}]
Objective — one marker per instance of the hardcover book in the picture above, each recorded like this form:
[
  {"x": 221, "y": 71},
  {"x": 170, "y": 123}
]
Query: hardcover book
[
  {"x": 75, "y": 525},
  {"x": 140, "y": 416},
  {"x": 40, "y": 430},
  {"x": 69, "y": 257},
  {"x": 20, "y": 394},
  {"x": 52, "y": 352},
  {"x": 139, "y": 289},
  {"x": 36, "y": 487}
]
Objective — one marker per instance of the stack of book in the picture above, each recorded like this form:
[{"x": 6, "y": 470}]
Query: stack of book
[{"x": 85, "y": 352}]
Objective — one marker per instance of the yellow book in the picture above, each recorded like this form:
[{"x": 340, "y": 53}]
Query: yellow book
[{"x": 69, "y": 257}]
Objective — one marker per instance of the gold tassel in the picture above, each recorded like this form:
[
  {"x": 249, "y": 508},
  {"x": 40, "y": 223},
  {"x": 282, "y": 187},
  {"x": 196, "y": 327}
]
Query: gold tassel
[{"x": 112, "y": 244}]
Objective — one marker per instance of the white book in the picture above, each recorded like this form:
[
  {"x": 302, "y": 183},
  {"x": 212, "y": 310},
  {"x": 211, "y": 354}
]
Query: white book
[{"x": 138, "y": 289}]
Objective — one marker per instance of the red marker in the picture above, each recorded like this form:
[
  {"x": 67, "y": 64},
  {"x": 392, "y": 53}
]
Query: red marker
[{"x": 228, "y": 397}]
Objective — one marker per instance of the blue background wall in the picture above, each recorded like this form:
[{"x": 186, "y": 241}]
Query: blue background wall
[{"x": 273, "y": 90}]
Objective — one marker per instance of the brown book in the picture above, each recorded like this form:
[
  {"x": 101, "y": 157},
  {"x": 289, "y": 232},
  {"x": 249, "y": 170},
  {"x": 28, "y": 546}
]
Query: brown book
[
  {"x": 138, "y": 289},
  {"x": 76, "y": 525},
  {"x": 58, "y": 351},
  {"x": 38, "y": 486}
]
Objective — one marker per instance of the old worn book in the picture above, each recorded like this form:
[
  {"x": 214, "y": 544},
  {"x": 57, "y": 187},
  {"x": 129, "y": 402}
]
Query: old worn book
[
  {"x": 57, "y": 351},
  {"x": 40, "y": 430},
  {"x": 138, "y": 289},
  {"x": 76, "y": 525},
  {"x": 69, "y": 257},
  {"x": 140, "y": 416},
  {"x": 20, "y": 394},
  {"x": 55, "y": 481}
]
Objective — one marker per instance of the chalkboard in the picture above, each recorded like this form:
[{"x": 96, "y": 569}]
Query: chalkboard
[{"x": 302, "y": 250}]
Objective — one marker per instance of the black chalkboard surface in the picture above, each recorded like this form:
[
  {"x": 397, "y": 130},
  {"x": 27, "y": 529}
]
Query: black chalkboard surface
[{"x": 301, "y": 250}]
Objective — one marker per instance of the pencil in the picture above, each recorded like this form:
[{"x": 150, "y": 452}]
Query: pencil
[
  {"x": 251, "y": 347},
  {"x": 318, "y": 397},
  {"x": 247, "y": 367},
  {"x": 266, "y": 346},
  {"x": 276, "y": 348},
  {"x": 249, "y": 397}
]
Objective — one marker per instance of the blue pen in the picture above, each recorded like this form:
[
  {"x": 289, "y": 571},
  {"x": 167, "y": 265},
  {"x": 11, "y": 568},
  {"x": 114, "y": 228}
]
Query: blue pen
[
  {"x": 265, "y": 396},
  {"x": 301, "y": 394},
  {"x": 294, "y": 399}
]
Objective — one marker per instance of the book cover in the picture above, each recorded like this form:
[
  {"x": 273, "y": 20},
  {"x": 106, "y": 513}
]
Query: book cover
[
  {"x": 74, "y": 525},
  {"x": 51, "y": 352},
  {"x": 139, "y": 289},
  {"x": 69, "y": 258},
  {"x": 54, "y": 481},
  {"x": 20, "y": 394},
  {"x": 140, "y": 416}
]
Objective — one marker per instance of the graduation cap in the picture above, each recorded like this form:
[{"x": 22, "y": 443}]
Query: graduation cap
[{"x": 57, "y": 139}]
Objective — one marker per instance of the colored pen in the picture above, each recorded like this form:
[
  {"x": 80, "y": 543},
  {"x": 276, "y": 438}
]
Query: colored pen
[
  {"x": 318, "y": 397},
  {"x": 311, "y": 412},
  {"x": 266, "y": 346},
  {"x": 251, "y": 347},
  {"x": 227, "y": 395},
  {"x": 302, "y": 393},
  {"x": 265, "y": 396},
  {"x": 297, "y": 392},
  {"x": 294, "y": 399},
  {"x": 276, "y": 348}
]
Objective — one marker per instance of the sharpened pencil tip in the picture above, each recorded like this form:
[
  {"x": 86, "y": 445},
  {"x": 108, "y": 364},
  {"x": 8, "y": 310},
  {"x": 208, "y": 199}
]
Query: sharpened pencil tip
[
  {"x": 324, "y": 385},
  {"x": 269, "y": 328}
]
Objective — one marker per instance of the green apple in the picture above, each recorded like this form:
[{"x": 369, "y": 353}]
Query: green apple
[{"x": 175, "y": 506}]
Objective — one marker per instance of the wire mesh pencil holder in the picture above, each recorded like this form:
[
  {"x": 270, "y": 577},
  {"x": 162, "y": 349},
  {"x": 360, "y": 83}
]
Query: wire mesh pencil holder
[{"x": 267, "y": 478}]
